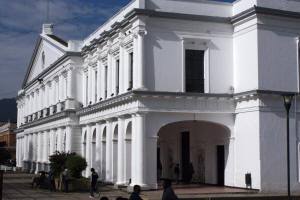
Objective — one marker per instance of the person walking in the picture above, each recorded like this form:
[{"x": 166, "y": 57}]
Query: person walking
[
  {"x": 168, "y": 193},
  {"x": 52, "y": 180},
  {"x": 94, "y": 178},
  {"x": 135, "y": 195},
  {"x": 65, "y": 180},
  {"x": 177, "y": 173}
]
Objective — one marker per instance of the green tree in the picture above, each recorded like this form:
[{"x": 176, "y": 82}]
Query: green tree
[
  {"x": 76, "y": 164},
  {"x": 58, "y": 161}
]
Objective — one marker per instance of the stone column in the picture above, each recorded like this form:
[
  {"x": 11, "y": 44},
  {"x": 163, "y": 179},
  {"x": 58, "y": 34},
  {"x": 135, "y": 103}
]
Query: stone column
[
  {"x": 108, "y": 151},
  {"x": 138, "y": 166},
  {"x": 88, "y": 149},
  {"x": 52, "y": 142},
  {"x": 59, "y": 139},
  {"x": 69, "y": 141},
  {"x": 70, "y": 88},
  {"x": 98, "y": 148},
  {"x": 109, "y": 75},
  {"x": 121, "y": 150}
]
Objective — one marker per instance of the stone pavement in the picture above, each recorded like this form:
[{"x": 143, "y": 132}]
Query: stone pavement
[{"x": 17, "y": 186}]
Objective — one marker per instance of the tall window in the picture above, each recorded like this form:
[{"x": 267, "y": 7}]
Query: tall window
[
  {"x": 194, "y": 71},
  {"x": 130, "y": 78},
  {"x": 96, "y": 75},
  {"x": 87, "y": 89},
  {"x": 117, "y": 76},
  {"x": 105, "y": 82}
]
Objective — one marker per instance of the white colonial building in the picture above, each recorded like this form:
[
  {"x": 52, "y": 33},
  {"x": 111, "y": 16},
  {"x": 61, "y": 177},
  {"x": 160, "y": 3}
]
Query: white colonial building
[{"x": 165, "y": 82}]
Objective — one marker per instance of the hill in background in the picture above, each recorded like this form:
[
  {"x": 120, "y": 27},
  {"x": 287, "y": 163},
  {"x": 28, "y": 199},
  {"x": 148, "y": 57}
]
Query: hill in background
[{"x": 8, "y": 110}]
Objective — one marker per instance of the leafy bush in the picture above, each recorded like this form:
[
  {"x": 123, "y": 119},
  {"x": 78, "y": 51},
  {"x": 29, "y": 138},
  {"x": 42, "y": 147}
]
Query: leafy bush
[
  {"x": 76, "y": 164},
  {"x": 58, "y": 161}
]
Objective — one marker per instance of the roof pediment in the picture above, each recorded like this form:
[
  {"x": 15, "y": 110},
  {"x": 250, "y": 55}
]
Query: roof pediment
[{"x": 48, "y": 50}]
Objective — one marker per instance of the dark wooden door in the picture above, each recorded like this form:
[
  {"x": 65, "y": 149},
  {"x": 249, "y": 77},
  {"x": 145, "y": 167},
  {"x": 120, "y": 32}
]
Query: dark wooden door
[
  {"x": 185, "y": 155},
  {"x": 220, "y": 164}
]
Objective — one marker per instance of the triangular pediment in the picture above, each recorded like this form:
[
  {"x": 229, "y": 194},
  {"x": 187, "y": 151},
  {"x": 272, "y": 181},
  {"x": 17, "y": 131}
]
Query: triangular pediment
[{"x": 44, "y": 55}]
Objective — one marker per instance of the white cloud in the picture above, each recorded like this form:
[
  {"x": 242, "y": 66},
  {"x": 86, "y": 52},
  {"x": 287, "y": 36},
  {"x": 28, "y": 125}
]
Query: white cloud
[{"x": 21, "y": 22}]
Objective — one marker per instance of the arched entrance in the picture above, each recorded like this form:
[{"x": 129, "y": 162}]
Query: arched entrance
[
  {"x": 115, "y": 154},
  {"x": 103, "y": 154},
  {"x": 128, "y": 152},
  {"x": 200, "y": 148},
  {"x": 93, "y": 144}
]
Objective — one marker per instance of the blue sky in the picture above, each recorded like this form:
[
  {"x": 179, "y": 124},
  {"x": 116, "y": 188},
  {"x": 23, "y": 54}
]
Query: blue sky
[{"x": 21, "y": 22}]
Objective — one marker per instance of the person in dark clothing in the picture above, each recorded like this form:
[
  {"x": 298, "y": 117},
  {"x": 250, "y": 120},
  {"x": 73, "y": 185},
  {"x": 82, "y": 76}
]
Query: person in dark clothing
[
  {"x": 135, "y": 195},
  {"x": 103, "y": 198},
  {"x": 94, "y": 178},
  {"x": 190, "y": 172},
  {"x": 168, "y": 193},
  {"x": 177, "y": 172},
  {"x": 52, "y": 180},
  {"x": 65, "y": 180}
]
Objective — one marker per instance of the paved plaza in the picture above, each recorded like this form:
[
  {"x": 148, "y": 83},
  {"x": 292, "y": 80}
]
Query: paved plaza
[{"x": 17, "y": 186}]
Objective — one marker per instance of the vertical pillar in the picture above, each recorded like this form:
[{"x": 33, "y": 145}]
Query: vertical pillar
[
  {"x": 121, "y": 149},
  {"x": 70, "y": 88},
  {"x": 59, "y": 139},
  {"x": 138, "y": 166},
  {"x": 108, "y": 151},
  {"x": 60, "y": 85},
  {"x": 45, "y": 149},
  {"x": 69, "y": 141},
  {"x": 98, "y": 148},
  {"x": 88, "y": 149}
]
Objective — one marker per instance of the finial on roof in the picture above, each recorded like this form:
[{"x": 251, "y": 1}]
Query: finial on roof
[{"x": 48, "y": 29}]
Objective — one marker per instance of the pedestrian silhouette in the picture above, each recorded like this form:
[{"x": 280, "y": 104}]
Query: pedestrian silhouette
[
  {"x": 135, "y": 195},
  {"x": 168, "y": 193}
]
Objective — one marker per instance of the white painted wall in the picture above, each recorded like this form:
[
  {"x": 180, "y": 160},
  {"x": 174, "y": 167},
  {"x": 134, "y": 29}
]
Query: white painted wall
[
  {"x": 164, "y": 53},
  {"x": 245, "y": 55},
  {"x": 278, "y": 55},
  {"x": 247, "y": 145}
]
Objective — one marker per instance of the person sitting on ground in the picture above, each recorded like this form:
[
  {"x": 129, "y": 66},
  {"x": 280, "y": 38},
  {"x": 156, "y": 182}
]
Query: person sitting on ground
[
  {"x": 135, "y": 195},
  {"x": 168, "y": 193}
]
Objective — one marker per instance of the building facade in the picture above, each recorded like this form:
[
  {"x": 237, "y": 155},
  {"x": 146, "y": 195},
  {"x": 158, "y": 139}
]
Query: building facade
[
  {"x": 170, "y": 81},
  {"x": 8, "y": 137}
]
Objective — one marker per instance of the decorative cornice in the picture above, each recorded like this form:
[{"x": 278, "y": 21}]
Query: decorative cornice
[
  {"x": 266, "y": 11},
  {"x": 53, "y": 117}
]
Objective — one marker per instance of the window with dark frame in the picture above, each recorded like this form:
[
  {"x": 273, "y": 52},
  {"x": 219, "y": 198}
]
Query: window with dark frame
[
  {"x": 194, "y": 71},
  {"x": 87, "y": 90},
  {"x": 117, "y": 75},
  {"x": 96, "y": 77},
  {"x": 105, "y": 82},
  {"x": 130, "y": 71}
]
